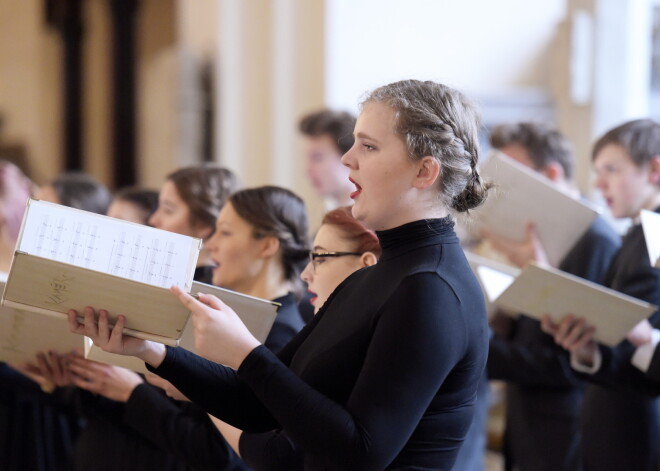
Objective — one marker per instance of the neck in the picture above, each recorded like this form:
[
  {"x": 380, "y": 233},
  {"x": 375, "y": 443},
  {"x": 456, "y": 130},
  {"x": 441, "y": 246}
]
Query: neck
[
  {"x": 430, "y": 209},
  {"x": 269, "y": 283}
]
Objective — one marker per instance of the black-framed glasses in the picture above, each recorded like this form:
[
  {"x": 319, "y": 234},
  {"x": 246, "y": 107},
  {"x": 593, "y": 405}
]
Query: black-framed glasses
[{"x": 314, "y": 256}]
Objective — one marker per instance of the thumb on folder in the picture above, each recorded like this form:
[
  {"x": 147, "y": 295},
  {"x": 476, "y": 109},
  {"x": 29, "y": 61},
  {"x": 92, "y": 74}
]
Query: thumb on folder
[{"x": 220, "y": 335}]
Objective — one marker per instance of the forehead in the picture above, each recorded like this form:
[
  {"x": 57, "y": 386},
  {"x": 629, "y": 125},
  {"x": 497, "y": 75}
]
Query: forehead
[
  {"x": 169, "y": 192},
  {"x": 613, "y": 154},
  {"x": 518, "y": 153},
  {"x": 331, "y": 237},
  {"x": 321, "y": 143},
  {"x": 376, "y": 120}
]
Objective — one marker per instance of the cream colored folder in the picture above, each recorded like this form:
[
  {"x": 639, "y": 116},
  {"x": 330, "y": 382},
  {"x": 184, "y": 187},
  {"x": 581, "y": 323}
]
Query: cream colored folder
[
  {"x": 544, "y": 290},
  {"x": 493, "y": 276},
  {"x": 23, "y": 334},
  {"x": 651, "y": 227},
  {"x": 257, "y": 314},
  {"x": 521, "y": 196},
  {"x": 69, "y": 259}
]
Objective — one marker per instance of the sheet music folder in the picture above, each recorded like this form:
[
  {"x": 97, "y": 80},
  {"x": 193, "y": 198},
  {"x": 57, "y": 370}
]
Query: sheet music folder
[
  {"x": 521, "y": 196},
  {"x": 69, "y": 259},
  {"x": 257, "y": 314},
  {"x": 545, "y": 290}
]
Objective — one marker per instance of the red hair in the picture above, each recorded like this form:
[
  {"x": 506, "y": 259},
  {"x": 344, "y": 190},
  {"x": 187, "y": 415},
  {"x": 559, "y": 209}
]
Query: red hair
[{"x": 365, "y": 240}]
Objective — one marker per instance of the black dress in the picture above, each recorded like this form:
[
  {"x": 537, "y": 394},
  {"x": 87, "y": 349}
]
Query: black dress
[{"x": 384, "y": 376}]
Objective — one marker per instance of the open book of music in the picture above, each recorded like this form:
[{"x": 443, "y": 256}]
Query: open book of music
[
  {"x": 257, "y": 314},
  {"x": 544, "y": 290},
  {"x": 69, "y": 259},
  {"x": 521, "y": 196}
]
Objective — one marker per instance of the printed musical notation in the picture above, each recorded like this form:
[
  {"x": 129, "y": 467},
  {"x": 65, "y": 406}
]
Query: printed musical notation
[{"x": 131, "y": 251}]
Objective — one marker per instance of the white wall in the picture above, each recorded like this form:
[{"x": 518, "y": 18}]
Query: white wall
[{"x": 481, "y": 47}]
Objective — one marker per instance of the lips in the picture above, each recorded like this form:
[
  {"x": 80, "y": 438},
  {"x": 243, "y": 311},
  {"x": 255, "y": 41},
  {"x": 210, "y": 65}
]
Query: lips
[
  {"x": 358, "y": 190},
  {"x": 313, "y": 298}
]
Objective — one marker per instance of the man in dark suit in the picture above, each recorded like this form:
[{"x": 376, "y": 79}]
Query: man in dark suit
[{"x": 544, "y": 395}]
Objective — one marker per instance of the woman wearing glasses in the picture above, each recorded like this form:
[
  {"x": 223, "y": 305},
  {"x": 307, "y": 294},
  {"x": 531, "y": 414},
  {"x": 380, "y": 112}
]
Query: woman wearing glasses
[
  {"x": 385, "y": 375},
  {"x": 342, "y": 246}
]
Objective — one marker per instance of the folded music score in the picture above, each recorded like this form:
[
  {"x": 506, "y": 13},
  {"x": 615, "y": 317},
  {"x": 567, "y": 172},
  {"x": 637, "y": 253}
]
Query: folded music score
[{"x": 69, "y": 259}]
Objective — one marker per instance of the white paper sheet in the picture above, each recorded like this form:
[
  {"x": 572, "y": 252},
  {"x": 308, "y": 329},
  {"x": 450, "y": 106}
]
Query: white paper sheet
[{"x": 109, "y": 245}]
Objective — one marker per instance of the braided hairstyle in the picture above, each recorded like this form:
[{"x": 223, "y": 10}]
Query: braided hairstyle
[
  {"x": 438, "y": 121},
  {"x": 275, "y": 211}
]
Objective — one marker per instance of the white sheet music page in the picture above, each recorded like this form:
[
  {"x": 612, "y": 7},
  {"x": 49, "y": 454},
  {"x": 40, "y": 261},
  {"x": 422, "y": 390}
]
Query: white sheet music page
[
  {"x": 109, "y": 245},
  {"x": 651, "y": 227}
]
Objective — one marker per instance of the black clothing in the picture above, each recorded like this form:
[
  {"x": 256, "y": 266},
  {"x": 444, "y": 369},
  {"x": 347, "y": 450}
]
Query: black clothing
[
  {"x": 204, "y": 274},
  {"x": 106, "y": 443},
  {"x": 384, "y": 376},
  {"x": 544, "y": 394},
  {"x": 621, "y": 426},
  {"x": 183, "y": 428},
  {"x": 35, "y": 433}
]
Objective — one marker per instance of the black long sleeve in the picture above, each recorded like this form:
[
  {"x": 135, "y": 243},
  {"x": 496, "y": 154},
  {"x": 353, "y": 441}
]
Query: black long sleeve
[
  {"x": 384, "y": 376},
  {"x": 179, "y": 428}
]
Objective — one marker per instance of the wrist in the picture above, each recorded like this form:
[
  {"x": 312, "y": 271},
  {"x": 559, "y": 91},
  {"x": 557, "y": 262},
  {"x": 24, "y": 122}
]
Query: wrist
[
  {"x": 244, "y": 352},
  {"x": 129, "y": 390},
  {"x": 153, "y": 353}
]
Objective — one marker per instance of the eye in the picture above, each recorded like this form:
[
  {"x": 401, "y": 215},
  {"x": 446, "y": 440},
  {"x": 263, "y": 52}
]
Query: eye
[
  {"x": 319, "y": 260},
  {"x": 368, "y": 147}
]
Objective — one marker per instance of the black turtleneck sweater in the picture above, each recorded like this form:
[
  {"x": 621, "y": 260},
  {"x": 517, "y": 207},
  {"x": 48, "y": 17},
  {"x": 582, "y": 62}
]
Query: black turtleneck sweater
[{"x": 384, "y": 376}]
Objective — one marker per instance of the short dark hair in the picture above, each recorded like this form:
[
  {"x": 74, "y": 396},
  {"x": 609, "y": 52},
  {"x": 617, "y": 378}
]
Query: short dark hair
[
  {"x": 145, "y": 200},
  {"x": 544, "y": 144},
  {"x": 339, "y": 125},
  {"x": 640, "y": 138},
  {"x": 205, "y": 189},
  {"x": 82, "y": 191}
]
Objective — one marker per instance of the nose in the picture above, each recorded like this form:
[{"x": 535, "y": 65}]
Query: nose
[
  {"x": 154, "y": 219},
  {"x": 348, "y": 159},
  {"x": 600, "y": 182},
  {"x": 307, "y": 274}
]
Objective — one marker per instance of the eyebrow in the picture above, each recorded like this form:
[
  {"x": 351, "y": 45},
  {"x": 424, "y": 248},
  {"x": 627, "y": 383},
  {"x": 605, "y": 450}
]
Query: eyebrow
[
  {"x": 318, "y": 247},
  {"x": 362, "y": 135}
]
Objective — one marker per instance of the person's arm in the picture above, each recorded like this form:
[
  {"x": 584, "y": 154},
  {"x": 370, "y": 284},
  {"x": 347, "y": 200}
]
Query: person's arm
[
  {"x": 180, "y": 428},
  {"x": 419, "y": 337},
  {"x": 270, "y": 451},
  {"x": 537, "y": 361}
]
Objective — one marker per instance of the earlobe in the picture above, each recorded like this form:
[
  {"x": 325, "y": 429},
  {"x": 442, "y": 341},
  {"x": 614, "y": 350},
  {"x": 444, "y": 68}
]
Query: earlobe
[
  {"x": 428, "y": 172},
  {"x": 367, "y": 259},
  {"x": 654, "y": 173},
  {"x": 554, "y": 172},
  {"x": 271, "y": 246}
]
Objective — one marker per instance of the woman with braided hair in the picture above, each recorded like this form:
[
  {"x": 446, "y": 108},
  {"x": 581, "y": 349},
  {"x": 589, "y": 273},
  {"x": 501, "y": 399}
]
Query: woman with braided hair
[{"x": 385, "y": 375}]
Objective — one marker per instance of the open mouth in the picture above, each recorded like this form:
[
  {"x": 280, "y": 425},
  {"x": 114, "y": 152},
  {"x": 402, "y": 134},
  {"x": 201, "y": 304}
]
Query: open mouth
[
  {"x": 358, "y": 189},
  {"x": 313, "y": 298}
]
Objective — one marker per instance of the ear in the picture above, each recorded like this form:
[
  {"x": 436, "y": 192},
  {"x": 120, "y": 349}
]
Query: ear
[
  {"x": 367, "y": 259},
  {"x": 270, "y": 247},
  {"x": 554, "y": 172},
  {"x": 427, "y": 173},
  {"x": 654, "y": 170}
]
